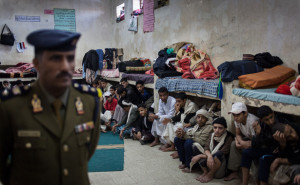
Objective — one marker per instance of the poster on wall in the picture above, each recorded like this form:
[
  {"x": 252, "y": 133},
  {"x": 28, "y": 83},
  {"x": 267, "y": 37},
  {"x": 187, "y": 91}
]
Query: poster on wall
[
  {"x": 64, "y": 19},
  {"x": 24, "y": 18}
]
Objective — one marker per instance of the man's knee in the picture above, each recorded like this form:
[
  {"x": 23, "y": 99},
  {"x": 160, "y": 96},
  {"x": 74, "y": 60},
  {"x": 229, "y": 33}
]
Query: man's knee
[
  {"x": 188, "y": 143},
  {"x": 247, "y": 152},
  {"x": 176, "y": 140}
]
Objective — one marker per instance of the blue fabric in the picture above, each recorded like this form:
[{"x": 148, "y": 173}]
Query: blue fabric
[
  {"x": 114, "y": 158},
  {"x": 100, "y": 53},
  {"x": 83, "y": 71},
  {"x": 127, "y": 131},
  {"x": 232, "y": 70},
  {"x": 267, "y": 94},
  {"x": 185, "y": 150},
  {"x": 198, "y": 86},
  {"x": 264, "y": 167},
  {"x": 251, "y": 154},
  {"x": 107, "y": 160}
]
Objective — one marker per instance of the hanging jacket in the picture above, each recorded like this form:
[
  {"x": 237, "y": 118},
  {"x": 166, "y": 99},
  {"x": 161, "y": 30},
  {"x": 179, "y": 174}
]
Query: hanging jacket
[{"x": 91, "y": 60}]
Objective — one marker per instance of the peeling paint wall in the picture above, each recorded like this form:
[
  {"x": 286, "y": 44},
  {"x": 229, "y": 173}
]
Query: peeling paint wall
[
  {"x": 224, "y": 29},
  {"x": 92, "y": 21}
]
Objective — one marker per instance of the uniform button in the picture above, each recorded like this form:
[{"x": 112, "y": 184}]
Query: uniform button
[
  {"x": 66, "y": 148},
  {"x": 28, "y": 145},
  {"x": 66, "y": 172},
  {"x": 88, "y": 138}
]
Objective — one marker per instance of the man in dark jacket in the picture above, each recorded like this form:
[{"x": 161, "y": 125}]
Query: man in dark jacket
[
  {"x": 287, "y": 136},
  {"x": 264, "y": 146}
]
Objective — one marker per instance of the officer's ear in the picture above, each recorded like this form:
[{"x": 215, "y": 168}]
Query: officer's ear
[{"x": 35, "y": 62}]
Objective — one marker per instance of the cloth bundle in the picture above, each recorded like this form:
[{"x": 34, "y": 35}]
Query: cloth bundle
[{"x": 194, "y": 63}]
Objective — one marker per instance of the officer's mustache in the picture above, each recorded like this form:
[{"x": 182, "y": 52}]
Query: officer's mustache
[{"x": 64, "y": 74}]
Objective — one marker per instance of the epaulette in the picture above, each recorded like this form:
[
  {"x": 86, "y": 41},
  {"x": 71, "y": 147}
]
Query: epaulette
[
  {"x": 14, "y": 92},
  {"x": 87, "y": 89}
]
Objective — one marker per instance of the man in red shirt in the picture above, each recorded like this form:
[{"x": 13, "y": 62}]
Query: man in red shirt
[
  {"x": 109, "y": 106},
  {"x": 111, "y": 103}
]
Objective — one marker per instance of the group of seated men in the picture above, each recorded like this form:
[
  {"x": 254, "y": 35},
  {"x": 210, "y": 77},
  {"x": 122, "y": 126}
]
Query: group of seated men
[{"x": 200, "y": 137}]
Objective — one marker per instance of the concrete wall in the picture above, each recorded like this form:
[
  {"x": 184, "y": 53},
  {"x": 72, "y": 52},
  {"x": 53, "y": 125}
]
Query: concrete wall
[
  {"x": 224, "y": 29},
  {"x": 93, "y": 21}
]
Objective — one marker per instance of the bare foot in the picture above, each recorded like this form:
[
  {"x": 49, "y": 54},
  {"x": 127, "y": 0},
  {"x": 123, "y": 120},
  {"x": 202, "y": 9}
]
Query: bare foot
[
  {"x": 171, "y": 148},
  {"x": 182, "y": 166},
  {"x": 174, "y": 155},
  {"x": 163, "y": 147},
  {"x": 154, "y": 143},
  {"x": 206, "y": 178},
  {"x": 103, "y": 130},
  {"x": 201, "y": 176},
  {"x": 233, "y": 175},
  {"x": 186, "y": 170}
]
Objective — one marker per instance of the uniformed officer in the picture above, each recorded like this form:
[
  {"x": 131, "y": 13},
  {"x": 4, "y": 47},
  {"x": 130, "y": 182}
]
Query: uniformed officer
[{"x": 48, "y": 131}]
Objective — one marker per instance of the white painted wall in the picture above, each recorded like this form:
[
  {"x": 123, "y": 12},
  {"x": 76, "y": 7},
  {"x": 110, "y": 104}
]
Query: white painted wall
[
  {"x": 93, "y": 21},
  {"x": 225, "y": 29}
]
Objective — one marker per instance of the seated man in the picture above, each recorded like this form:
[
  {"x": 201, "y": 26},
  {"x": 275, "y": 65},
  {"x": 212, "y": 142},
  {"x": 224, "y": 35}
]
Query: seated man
[
  {"x": 109, "y": 106},
  {"x": 104, "y": 85},
  {"x": 215, "y": 109},
  {"x": 125, "y": 84},
  {"x": 213, "y": 156},
  {"x": 144, "y": 126},
  {"x": 287, "y": 135},
  {"x": 143, "y": 93},
  {"x": 128, "y": 121},
  {"x": 131, "y": 93},
  {"x": 5, "y": 86},
  {"x": 185, "y": 111},
  {"x": 166, "y": 109},
  {"x": 197, "y": 136},
  {"x": 119, "y": 111},
  {"x": 296, "y": 179},
  {"x": 112, "y": 90},
  {"x": 244, "y": 130},
  {"x": 95, "y": 83},
  {"x": 263, "y": 147}
]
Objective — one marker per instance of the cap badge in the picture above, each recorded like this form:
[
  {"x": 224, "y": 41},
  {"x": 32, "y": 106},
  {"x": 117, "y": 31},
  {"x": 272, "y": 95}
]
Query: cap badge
[
  {"x": 79, "y": 106},
  {"x": 36, "y": 104},
  {"x": 74, "y": 42}
]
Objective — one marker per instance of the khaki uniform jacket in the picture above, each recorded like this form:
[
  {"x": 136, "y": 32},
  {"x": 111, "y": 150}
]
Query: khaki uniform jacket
[{"x": 35, "y": 150}]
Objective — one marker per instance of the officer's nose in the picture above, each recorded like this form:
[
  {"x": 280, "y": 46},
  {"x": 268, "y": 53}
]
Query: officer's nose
[{"x": 65, "y": 64}]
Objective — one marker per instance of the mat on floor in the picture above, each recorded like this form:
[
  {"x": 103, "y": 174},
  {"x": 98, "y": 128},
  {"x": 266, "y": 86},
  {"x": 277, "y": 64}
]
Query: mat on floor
[{"x": 109, "y": 155}]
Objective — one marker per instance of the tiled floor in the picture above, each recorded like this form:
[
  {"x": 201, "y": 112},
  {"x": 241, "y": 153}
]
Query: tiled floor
[{"x": 149, "y": 166}]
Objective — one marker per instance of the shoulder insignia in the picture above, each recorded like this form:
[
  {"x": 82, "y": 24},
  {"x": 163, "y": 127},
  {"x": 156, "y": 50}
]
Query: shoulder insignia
[
  {"x": 87, "y": 89},
  {"x": 13, "y": 92}
]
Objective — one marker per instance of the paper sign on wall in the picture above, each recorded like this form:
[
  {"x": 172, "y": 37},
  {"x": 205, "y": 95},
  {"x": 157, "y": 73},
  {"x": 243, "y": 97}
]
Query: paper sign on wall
[
  {"x": 24, "y": 18},
  {"x": 64, "y": 19},
  {"x": 47, "y": 11}
]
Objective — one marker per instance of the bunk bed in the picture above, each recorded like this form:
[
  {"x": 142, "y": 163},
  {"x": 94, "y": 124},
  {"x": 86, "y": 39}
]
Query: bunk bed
[{"x": 255, "y": 98}]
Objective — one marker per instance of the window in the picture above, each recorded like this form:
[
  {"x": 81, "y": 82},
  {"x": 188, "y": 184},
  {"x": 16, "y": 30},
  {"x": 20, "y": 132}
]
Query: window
[
  {"x": 137, "y": 7},
  {"x": 120, "y": 11}
]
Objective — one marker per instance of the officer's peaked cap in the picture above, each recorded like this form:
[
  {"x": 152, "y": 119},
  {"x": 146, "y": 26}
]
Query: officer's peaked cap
[{"x": 55, "y": 40}]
